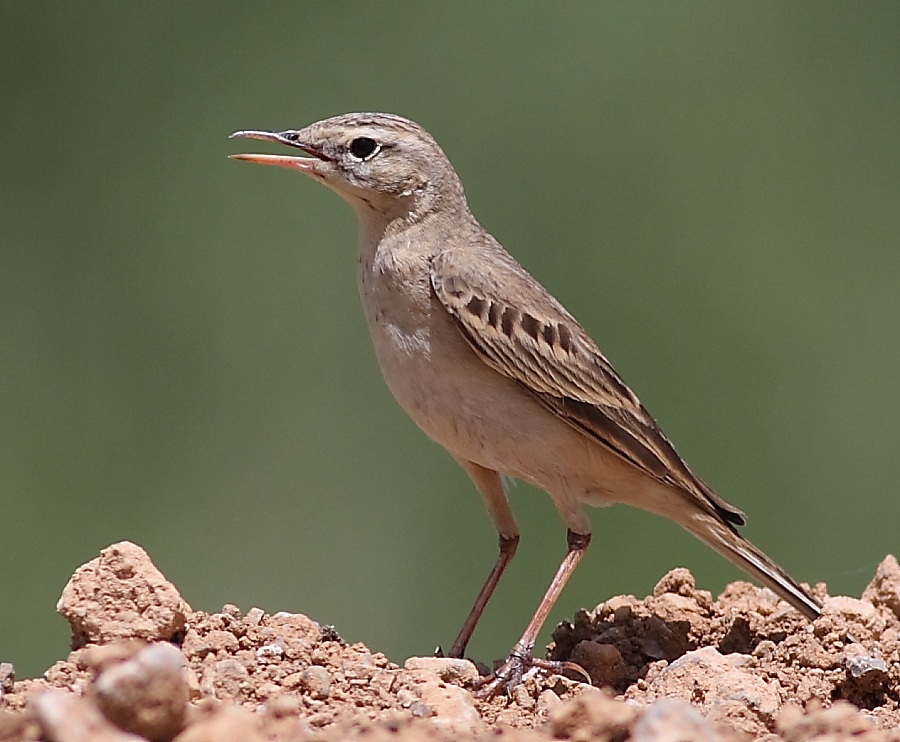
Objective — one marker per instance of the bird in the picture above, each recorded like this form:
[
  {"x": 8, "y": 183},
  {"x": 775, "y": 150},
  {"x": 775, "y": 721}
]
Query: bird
[{"x": 493, "y": 368}]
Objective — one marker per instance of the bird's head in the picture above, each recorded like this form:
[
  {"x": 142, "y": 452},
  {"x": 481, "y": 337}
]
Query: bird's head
[{"x": 375, "y": 161}]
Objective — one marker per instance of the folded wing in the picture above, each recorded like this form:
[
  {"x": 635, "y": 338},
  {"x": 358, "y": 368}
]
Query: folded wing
[{"x": 531, "y": 338}]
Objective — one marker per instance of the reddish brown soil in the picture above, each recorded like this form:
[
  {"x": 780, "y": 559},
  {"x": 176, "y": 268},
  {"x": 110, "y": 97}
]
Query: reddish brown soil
[{"x": 675, "y": 666}]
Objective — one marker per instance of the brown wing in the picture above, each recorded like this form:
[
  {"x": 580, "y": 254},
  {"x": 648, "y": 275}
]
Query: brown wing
[{"x": 531, "y": 338}]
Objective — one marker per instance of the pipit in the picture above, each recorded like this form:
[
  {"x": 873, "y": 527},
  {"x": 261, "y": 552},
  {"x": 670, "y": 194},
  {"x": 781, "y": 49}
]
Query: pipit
[{"x": 493, "y": 368}]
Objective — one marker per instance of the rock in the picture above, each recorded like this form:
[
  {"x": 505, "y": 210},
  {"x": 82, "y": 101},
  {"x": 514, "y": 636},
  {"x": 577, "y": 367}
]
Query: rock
[
  {"x": 225, "y": 680},
  {"x": 521, "y": 696},
  {"x": 296, "y": 624},
  {"x": 864, "y": 663},
  {"x": 98, "y": 657},
  {"x": 674, "y": 720},
  {"x": 841, "y": 612},
  {"x": 448, "y": 669},
  {"x": 7, "y": 677},
  {"x": 254, "y": 616},
  {"x": 316, "y": 682},
  {"x": 548, "y": 701},
  {"x": 225, "y": 723},
  {"x": 593, "y": 716},
  {"x": 884, "y": 589},
  {"x": 724, "y": 691},
  {"x": 839, "y": 722},
  {"x": 64, "y": 717},
  {"x": 452, "y": 708},
  {"x": 283, "y": 705},
  {"x": 220, "y": 641},
  {"x": 296, "y": 680},
  {"x": 147, "y": 694},
  {"x": 679, "y": 581},
  {"x": 122, "y": 595},
  {"x": 268, "y": 653},
  {"x": 603, "y": 662}
]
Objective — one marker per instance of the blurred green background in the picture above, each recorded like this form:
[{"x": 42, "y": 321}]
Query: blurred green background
[{"x": 712, "y": 188}]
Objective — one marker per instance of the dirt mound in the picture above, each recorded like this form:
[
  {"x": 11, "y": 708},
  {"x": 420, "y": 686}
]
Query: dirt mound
[{"x": 677, "y": 665}]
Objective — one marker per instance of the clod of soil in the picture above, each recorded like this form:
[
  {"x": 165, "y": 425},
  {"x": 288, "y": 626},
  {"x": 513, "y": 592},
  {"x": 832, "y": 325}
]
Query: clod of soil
[{"x": 675, "y": 666}]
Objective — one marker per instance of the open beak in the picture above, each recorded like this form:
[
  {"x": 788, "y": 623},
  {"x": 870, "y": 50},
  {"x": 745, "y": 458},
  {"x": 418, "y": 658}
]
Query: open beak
[{"x": 304, "y": 164}]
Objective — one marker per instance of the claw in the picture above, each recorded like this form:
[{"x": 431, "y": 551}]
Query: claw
[{"x": 517, "y": 668}]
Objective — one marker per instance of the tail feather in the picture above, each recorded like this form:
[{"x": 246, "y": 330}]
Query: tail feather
[{"x": 738, "y": 550}]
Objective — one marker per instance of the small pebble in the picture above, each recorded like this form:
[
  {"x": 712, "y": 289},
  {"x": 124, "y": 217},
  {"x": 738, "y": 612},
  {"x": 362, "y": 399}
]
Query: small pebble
[
  {"x": 7, "y": 677},
  {"x": 860, "y": 665},
  {"x": 269, "y": 653},
  {"x": 283, "y": 705},
  {"x": 522, "y": 697},
  {"x": 254, "y": 616},
  {"x": 316, "y": 681},
  {"x": 448, "y": 669},
  {"x": 64, "y": 717},
  {"x": 147, "y": 694},
  {"x": 547, "y": 701}
]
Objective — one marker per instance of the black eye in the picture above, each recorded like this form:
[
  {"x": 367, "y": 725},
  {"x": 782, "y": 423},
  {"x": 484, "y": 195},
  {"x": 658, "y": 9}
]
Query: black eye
[{"x": 363, "y": 147}]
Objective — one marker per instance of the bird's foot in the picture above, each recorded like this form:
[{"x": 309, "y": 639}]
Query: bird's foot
[{"x": 519, "y": 667}]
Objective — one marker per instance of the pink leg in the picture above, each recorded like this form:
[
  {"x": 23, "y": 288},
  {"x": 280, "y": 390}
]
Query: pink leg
[
  {"x": 490, "y": 486},
  {"x": 507, "y": 552},
  {"x": 511, "y": 671}
]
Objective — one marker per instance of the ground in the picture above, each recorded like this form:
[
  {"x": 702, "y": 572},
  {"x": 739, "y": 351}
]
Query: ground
[{"x": 675, "y": 666}]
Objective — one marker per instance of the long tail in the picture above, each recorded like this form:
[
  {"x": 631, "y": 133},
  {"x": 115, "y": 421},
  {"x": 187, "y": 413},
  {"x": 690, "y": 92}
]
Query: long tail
[{"x": 734, "y": 547}]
